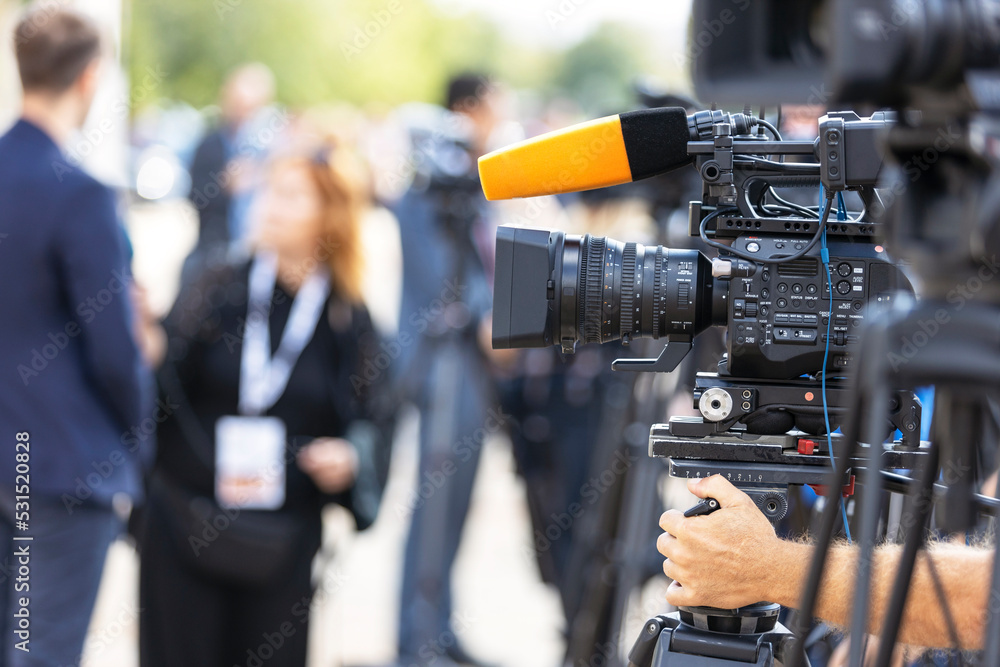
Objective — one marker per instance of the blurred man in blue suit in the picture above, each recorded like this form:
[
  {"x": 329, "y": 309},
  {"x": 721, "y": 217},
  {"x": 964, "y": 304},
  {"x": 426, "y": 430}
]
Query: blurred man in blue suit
[{"x": 73, "y": 385}]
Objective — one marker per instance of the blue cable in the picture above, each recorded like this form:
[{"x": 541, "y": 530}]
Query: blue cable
[{"x": 825, "y": 255}]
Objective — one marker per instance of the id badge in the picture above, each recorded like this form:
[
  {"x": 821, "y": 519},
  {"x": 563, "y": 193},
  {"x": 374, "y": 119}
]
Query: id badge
[{"x": 250, "y": 462}]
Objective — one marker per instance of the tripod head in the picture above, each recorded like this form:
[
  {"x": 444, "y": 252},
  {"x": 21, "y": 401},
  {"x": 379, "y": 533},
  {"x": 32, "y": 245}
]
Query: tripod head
[{"x": 750, "y": 634}]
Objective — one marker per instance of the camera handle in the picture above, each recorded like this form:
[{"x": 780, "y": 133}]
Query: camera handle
[
  {"x": 677, "y": 347},
  {"x": 704, "y": 636}
]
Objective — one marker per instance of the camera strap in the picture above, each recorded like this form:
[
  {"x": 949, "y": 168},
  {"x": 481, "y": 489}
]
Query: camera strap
[{"x": 263, "y": 378}]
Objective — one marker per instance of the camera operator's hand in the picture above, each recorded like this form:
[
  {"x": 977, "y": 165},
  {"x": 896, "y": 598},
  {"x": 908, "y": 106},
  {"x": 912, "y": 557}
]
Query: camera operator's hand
[{"x": 723, "y": 559}]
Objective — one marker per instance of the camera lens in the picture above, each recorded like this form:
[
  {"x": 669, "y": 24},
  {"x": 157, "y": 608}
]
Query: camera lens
[
  {"x": 633, "y": 291},
  {"x": 555, "y": 288}
]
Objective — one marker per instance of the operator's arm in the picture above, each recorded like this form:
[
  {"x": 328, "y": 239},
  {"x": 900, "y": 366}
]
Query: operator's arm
[{"x": 732, "y": 557}]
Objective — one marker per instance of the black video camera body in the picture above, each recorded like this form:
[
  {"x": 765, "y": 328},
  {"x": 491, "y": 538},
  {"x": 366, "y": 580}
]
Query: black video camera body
[
  {"x": 567, "y": 289},
  {"x": 769, "y": 288},
  {"x": 792, "y": 288}
]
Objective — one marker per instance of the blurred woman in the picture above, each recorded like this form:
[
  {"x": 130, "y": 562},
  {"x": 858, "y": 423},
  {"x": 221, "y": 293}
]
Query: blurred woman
[{"x": 263, "y": 420}]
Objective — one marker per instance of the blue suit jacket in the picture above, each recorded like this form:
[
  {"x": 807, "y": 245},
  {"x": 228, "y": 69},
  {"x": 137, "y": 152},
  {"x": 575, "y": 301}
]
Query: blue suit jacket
[{"x": 71, "y": 375}]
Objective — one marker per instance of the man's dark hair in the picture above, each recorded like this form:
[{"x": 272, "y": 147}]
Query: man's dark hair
[
  {"x": 53, "y": 47},
  {"x": 466, "y": 90}
]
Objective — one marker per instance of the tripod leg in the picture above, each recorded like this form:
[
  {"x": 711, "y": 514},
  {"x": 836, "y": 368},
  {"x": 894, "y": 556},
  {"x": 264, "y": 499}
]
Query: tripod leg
[{"x": 787, "y": 644}]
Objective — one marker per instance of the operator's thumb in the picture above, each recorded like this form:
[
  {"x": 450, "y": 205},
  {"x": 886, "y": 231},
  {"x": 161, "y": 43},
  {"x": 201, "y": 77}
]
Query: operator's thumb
[{"x": 720, "y": 488}]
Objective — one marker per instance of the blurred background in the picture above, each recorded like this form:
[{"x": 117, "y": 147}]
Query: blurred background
[{"x": 373, "y": 74}]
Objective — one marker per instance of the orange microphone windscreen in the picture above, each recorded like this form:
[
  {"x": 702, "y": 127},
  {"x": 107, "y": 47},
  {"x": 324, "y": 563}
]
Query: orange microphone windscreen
[
  {"x": 580, "y": 157},
  {"x": 607, "y": 151}
]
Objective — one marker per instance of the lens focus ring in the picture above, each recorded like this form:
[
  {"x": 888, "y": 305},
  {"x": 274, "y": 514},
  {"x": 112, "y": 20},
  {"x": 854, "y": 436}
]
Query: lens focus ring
[
  {"x": 628, "y": 325},
  {"x": 592, "y": 290},
  {"x": 659, "y": 293},
  {"x": 581, "y": 286}
]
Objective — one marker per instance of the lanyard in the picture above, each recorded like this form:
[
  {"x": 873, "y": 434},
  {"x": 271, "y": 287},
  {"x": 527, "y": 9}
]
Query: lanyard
[{"x": 263, "y": 378}]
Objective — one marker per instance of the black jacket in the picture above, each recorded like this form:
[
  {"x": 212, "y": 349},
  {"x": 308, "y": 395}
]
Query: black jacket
[{"x": 199, "y": 384}]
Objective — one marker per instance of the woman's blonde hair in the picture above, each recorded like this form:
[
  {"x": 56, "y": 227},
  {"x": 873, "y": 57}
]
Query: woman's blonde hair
[{"x": 343, "y": 202}]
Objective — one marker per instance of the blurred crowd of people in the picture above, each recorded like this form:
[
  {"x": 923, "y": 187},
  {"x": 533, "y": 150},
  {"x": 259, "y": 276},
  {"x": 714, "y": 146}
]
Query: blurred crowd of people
[{"x": 273, "y": 385}]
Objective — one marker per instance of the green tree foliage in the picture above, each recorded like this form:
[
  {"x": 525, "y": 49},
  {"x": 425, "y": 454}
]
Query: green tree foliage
[
  {"x": 356, "y": 50},
  {"x": 360, "y": 51},
  {"x": 598, "y": 72}
]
